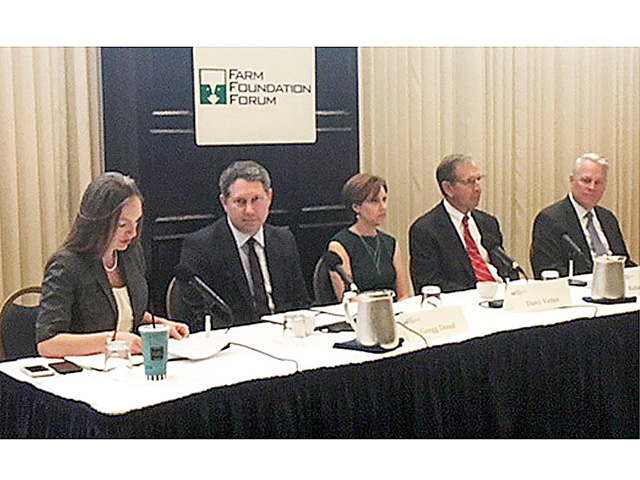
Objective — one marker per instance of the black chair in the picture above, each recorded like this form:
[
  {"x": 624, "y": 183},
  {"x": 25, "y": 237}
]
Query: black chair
[
  {"x": 322, "y": 286},
  {"x": 18, "y": 325},
  {"x": 174, "y": 301},
  {"x": 170, "y": 299}
]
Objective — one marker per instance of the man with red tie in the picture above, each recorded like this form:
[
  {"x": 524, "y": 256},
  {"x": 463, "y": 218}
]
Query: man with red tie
[{"x": 453, "y": 245}]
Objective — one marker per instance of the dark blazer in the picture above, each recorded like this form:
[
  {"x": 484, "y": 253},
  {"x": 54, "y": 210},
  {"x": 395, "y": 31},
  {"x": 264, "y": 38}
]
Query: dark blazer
[
  {"x": 438, "y": 256},
  {"x": 211, "y": 253},
  {"x": 550, "y": 252},
  {"x": 77, "y": 296}
]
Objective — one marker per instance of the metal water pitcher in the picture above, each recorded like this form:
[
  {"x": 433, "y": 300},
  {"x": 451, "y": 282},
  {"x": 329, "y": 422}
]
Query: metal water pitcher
[
  {"x": 375, "y": 322},
  {"x": 608, "y": 277}
]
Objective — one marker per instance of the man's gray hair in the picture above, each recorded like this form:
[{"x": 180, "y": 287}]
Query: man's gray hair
[
  {"x": 247, "y": 170},
  {"x": 590, "y": 157},
  {"x": 446, "y": 171}
]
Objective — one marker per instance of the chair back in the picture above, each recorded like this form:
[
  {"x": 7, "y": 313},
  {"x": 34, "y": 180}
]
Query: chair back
[
  {"x": 18, "y": 324},
  {"x": 322, "y": 286},
  {"x": 170, "y": 299}
]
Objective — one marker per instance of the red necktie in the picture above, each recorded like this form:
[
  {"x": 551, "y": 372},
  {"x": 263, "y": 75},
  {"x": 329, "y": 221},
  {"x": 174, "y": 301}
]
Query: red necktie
[{"x": 479, "y": 265}]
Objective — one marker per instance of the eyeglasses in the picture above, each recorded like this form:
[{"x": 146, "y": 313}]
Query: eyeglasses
[{"x": 470, "y": 181}]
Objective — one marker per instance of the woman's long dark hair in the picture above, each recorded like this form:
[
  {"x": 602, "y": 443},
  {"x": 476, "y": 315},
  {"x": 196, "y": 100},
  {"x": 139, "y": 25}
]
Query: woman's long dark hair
[{"x": 97, "y": 220}]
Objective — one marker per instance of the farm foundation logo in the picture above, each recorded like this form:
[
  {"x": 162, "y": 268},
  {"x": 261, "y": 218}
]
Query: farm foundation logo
[
  {"x": 213, "y": 86},
  {"x": 219, "y": 86}
]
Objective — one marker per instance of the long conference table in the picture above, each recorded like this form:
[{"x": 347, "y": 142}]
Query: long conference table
[{"x": 562, "y": 373}]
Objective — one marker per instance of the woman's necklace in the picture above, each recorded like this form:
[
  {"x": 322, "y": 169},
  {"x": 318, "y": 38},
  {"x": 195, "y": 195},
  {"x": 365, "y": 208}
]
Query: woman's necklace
[
  {"x": 374, "y": 253},
  {"x": 115, "y": 264}
]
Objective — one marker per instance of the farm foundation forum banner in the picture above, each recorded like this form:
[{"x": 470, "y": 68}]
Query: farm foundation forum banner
[{"x": 254, "y": 95}]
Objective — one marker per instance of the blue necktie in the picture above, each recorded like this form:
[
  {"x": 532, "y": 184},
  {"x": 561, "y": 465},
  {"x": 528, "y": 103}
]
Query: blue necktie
[{"x": 596, "y": 244}]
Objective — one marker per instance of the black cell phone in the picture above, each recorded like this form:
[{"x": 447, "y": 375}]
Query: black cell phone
[
  {"x": 65, "y": 367},
  {"x": 335, "y": 328},
  {"x": 577, "y": 283}
]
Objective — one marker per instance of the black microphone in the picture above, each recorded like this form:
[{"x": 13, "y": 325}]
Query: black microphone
[
  {"x": 334, "y": 263},
  {"x": 492, "y": 244},
  {"x": 185, "y": 274},
  {"x": 574, "y": 249},
  {"x": 572, "y": 246},
  {"x": 499, "y": 252}
]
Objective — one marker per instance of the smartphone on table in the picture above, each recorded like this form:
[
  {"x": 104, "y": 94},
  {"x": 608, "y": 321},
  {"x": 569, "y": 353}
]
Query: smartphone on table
[
  {"x": 36, "y": 371},
  {"x": 65, "y": 367}
]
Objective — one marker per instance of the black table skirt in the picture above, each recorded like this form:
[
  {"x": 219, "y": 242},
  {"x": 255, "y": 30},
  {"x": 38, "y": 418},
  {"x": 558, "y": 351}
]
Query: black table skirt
[{"x": 577, "y": 379}]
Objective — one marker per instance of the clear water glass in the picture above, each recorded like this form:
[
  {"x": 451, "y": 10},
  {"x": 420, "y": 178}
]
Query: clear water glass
[{"x": 117, "y": 354}]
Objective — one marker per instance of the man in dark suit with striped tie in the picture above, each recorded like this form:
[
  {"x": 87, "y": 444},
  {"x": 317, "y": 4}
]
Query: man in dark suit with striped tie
[
  {"x": 252, "y": 266},
  {"x": 453, "y": 245},
  {"x": 591, "y": 229}
]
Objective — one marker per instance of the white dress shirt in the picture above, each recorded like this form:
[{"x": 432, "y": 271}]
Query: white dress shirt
[
  {"x": 125, "y": 312},
  {"x": 582, "y": 216},
  {"x": 456, "y": 217},
  {"x": 241, "y": 243}
]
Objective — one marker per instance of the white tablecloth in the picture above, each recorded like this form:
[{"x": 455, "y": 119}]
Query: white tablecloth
[{"x": 123, "y": 390}]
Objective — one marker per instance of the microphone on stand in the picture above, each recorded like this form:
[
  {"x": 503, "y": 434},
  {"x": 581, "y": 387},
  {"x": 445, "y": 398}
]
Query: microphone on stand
[
  {"x": 573, "y": 247},
  {"x": 185, "y": 274},
  {"x": 573, "y": 250},
  {"x": 334, "y": 263},
  {"x": 499, "y": 252},
  {"x": 494, "y": 248},
  {"x": 576, "y": 250}
]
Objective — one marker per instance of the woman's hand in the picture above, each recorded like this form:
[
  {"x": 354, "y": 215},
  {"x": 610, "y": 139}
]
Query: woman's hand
[
  {"x": 134, "y": 341},
  {"x": 177, "y": 330}
]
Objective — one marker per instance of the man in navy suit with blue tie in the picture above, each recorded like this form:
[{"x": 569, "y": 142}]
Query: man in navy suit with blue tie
[{"x": 593, "y": 230}]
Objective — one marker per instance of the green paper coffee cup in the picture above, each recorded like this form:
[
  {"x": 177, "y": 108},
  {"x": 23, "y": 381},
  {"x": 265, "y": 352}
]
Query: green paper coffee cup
[{"x": 155, "y": 345}]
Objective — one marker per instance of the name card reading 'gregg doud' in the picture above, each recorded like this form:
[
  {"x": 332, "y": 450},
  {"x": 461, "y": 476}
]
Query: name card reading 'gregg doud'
[
  {"x": 535, "y": 296},
  {"x": 437, "y": 322},
  {"x": 632, "y": 281}
]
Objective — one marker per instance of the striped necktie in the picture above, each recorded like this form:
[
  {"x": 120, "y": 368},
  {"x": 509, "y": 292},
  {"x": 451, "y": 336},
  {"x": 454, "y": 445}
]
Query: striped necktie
[
  {"x": 259, "y": 292},
  {"x": 596, "y": 244},
  {"x": 479, "y": 265}
]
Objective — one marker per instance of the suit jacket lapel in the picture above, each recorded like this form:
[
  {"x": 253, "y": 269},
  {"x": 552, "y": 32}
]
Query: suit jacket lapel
[
  {"x": 452, "y": 237},
  {"x": 574, "y": 228},
  {"x": 274, "y": 255},
  {"x": 608, "y": 229},
  {"x": 100, "y": 276},
  {"x": 133, "y": 283},
  {"x": 231, "y": 258}
]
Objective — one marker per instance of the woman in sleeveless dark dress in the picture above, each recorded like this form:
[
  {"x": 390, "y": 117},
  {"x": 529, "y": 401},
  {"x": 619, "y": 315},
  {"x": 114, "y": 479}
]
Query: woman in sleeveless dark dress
[{"x": 372, "y": 258}]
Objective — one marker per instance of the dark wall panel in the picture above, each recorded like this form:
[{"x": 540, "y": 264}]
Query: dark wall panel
[{"x": 149, "y": 134}]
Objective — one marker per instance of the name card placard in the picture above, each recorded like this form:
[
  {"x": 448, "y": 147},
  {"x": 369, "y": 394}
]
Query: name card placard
[
  {"x": 535, "y": 296},
  {"x": 437, "y": 323},
  {"x": 632, "y": 281}
]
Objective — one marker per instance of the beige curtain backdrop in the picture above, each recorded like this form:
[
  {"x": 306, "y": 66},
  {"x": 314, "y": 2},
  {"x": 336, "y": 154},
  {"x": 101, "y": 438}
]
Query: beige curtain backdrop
[
  {"x": 50, "y": 148},
  {"x": 524, "y": 113}
]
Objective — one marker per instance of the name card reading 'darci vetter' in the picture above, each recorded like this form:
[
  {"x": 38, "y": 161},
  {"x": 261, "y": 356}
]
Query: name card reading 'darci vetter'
[
  {"x": 534, "y": 296},
  {"x": 437, "y": 322}
]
